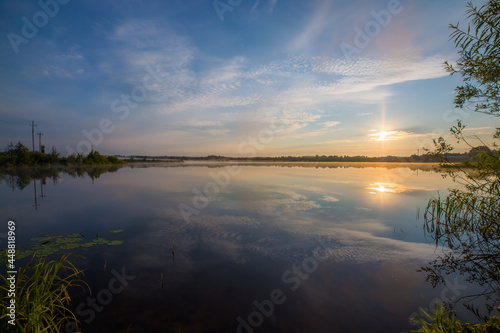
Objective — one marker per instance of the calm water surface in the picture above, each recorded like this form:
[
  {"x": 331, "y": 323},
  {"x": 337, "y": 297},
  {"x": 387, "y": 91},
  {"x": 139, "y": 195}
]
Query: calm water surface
[{"x": 258, "y": 248}]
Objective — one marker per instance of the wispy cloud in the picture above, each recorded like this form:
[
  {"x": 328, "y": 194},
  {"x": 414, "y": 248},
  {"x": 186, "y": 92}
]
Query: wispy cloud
[
  {"x": 298, "y": 82},
  {"x": 236, "y": 83},
  {"x": 399, "y": 135},
  {"x": 337, "y": 141},
  {"x": 331, "y": 123}
]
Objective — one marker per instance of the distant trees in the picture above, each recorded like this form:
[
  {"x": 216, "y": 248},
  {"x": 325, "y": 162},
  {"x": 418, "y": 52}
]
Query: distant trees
[{"x": 20, "y": 155}]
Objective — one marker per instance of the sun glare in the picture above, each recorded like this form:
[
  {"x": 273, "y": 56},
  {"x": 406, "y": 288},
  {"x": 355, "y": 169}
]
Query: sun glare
[
  {"x": 385, "y": 188},
  {"x": 380, "y": 188},
  {"x": 387, "y": 135},
  {"x": 382, "y": 135}
]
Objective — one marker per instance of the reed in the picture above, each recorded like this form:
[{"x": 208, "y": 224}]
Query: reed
[{"x": 42, "y": 296}]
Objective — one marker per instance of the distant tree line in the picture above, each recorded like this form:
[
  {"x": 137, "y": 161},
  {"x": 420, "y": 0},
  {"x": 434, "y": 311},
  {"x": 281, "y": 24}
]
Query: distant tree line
[
  {"x": 425, "y": 158},
  {"x": 19, "y": 155},
  {"x": 344, "y": 158}
]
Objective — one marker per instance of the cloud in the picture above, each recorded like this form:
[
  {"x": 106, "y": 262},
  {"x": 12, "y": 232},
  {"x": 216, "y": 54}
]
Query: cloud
[
  {"x": 231, "y": 72},
  {"x": 388, "y": 135},
  {"x": 150, "y": 42},
  {"x": 472, "y": 129},
  {"x": 268, "y": 7},
  {"x": 331, "y": 123},
  {"x": 219, "y": 84},
  {"x": 69, "y": 65},
  {"x": 311, "y": 31},
  {"x": 309, "y": 134},
  {"x": 298, "y": 82},
  {"x": 398, "y": 135},
  {"x": 236, "y": 83},
  {"x": 190, "y": 123},
  {"x": 337, "y": 141},
  {"x": 271, "y": 5},
  {"x": 479, "y": 131},
  {"x": 205, "y": 123}
]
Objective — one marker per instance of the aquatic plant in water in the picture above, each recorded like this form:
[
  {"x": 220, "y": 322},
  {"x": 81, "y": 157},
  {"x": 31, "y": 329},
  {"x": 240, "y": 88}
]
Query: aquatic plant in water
[
  {"x": 42, "y": 295},
  {"x": 51, "y": 244},
  {"x": 42, "y": 287}
]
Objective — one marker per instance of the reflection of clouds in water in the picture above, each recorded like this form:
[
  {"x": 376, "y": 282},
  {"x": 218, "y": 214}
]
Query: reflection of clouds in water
[
  {"x": 318, "y": 190},
  {"x": 363, "y": 247},
  {"x": 372, "y": 225},
  {"x": 291, "y": 194},
  {"x": 310, "y": 188},
  {"x": 237, "y": 237},
  {"x": 376, "y": 188},
  {"x": 286, "y": 205},
  {"x": 274, "y": 202},
  {"x": 386, "y": 188},
  {"x": 329, "y": 198},
  {"x": 336, "y": 181},
  {"x": 280, "y": 238}
]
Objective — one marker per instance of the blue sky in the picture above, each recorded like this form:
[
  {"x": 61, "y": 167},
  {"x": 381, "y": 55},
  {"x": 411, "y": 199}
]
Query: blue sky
[{"x": 235, "y": 78}]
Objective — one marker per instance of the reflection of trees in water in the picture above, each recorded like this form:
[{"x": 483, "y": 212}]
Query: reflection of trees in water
[
  {"x": 93, "y": 172},
  {"x": 20, "y": 178},
  {"x": 477, "y": 257},
  {"x": 468, "y": 223},
  {"x": 424, "y": 167}
]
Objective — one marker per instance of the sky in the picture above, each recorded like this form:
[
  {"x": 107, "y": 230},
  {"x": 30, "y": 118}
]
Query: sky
[{"x": 231, "y": 77}]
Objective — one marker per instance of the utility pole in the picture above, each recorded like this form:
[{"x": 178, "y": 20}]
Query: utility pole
[
  {"x": 33, "y": 133},
  {"x": 39, "y": 141}
]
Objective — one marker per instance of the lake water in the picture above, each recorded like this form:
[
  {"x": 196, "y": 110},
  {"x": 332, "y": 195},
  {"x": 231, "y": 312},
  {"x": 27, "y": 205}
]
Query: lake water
[{"x": 257, "y": 248}]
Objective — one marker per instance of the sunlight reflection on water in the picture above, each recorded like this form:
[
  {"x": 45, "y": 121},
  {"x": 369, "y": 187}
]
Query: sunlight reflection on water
[{"x": 386, "y": 188}]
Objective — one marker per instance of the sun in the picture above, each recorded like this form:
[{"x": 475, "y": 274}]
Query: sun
[{"x": 382, "y": 135}]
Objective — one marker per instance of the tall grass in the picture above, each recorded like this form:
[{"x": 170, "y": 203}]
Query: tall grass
[
  {"x": 42, "y": 296},
  {"x": 443, "y": 321}
]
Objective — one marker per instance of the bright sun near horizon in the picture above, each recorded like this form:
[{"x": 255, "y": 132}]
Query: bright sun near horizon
[{"x": 199, "y": 78}]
